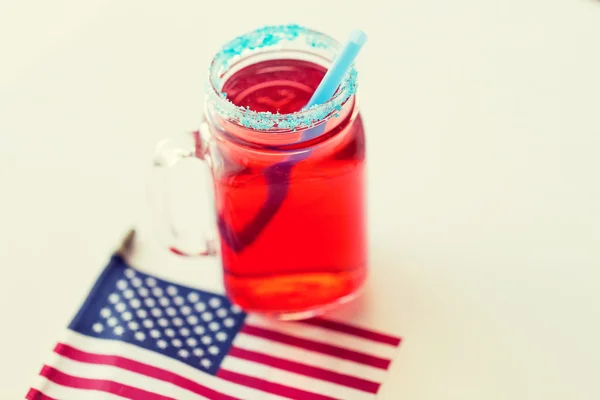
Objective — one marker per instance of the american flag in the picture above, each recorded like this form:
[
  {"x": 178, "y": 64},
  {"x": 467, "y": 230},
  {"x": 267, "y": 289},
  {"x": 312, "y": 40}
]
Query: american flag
[{"x": 140, "y": 337}]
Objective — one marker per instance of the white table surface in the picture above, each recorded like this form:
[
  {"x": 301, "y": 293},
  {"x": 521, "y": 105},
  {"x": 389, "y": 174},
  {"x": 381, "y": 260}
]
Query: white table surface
[{"x": 483, "y": 123}]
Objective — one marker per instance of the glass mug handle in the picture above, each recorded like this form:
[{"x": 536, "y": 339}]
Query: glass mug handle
[{"x": 169, "y": 153}]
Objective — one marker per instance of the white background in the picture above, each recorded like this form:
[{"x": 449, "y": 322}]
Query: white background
[{"x": 483, "y": 122}]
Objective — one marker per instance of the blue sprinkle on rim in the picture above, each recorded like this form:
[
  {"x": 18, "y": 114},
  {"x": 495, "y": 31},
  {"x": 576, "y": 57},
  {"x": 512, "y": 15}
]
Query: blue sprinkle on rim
[{"x": 264, "y": 39}]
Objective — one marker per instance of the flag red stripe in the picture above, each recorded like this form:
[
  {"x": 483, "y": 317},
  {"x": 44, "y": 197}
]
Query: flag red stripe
[
  {"x": 319, "y": 347},
  {"x": 103, "y": 385},
  {"x": 306, "y": 370},
  {"x": 140, "y": 368},
  {"x": 270, "y": 387},
  {"x": 35, "y": 394},
  {"x": 353, "y": 330}
]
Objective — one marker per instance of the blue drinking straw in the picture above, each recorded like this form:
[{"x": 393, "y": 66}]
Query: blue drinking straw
[
  {"x": 334, "y": 76},
  {"x": 278, "y": 175}
]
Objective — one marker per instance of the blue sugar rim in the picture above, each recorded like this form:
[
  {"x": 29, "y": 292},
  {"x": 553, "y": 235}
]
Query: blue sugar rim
[{"x": 263, "y": 38}]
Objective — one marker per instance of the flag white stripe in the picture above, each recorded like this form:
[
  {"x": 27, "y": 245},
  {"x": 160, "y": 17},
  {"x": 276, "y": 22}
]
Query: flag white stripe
[
  {"x": 60, "y": 392},
  {"x": 122, "y": 376},
  {"x": 293, "y": 380},
  {"x": 249, "y": 342},
  {"x": 113, "y": 347},
  {"x": 325, "y": 335}
]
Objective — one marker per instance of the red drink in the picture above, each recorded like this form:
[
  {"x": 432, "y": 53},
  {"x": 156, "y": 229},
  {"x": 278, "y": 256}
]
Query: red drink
[{"x": 293, "y": 234}]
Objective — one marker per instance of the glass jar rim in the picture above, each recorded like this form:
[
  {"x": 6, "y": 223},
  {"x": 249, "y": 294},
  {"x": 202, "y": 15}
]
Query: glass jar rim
[{"x": 265, "y": 38}]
